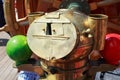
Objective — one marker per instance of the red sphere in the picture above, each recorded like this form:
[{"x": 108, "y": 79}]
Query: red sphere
[{"x": 111, "y": 52}]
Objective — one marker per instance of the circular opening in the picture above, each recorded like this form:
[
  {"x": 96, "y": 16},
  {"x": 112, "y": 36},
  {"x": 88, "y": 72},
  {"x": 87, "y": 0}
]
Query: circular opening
[
  {"x": 36, "y": 13},
  {"x": 98, "y": 16}
]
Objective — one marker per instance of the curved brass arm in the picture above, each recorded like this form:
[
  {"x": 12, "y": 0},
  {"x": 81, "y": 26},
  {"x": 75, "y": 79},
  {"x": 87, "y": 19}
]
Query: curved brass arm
[
  {"x": 95, "y": 5},
  {"x": 107, "y": 2}
]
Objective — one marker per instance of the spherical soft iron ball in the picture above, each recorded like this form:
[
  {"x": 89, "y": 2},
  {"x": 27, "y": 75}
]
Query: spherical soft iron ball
[
  {"x": 111, "y": 52},
  {"x": 17, "y": 48}
]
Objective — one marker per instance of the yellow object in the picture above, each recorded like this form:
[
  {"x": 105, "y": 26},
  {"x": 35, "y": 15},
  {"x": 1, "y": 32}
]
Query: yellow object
[{"x": 51, "y": 77}]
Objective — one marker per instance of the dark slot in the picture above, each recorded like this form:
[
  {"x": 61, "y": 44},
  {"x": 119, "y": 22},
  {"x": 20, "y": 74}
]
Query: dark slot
[{"x": 48, "y": 29}]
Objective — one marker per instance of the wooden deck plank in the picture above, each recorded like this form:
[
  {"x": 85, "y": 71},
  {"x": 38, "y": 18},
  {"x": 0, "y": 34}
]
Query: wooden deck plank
[
  {"x": 12, "y": 76},
  {"x": 3, "y": 62},
  {"x": 2, "y": 53},
  {"x": 7, "y": 72}
]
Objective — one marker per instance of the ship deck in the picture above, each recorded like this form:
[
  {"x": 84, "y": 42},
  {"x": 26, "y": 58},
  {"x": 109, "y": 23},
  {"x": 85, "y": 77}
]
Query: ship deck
[{"x": 7, "y": 72}]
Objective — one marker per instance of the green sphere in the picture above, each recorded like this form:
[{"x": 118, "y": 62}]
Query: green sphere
[{"x": 17, "y": 48}]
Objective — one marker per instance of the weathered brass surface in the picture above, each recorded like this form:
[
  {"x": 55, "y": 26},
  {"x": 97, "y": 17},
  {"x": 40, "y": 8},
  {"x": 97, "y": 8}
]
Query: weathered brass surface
[
  {"x": 100, "y": 30},
  {"x": 32, "y": 16},
  {"x": 63, "y": 40}
]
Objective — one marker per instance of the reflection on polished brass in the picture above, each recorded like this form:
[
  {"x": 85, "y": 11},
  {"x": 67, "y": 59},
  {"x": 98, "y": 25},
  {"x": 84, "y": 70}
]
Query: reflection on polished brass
[
  {"x": 66, "y": 59},
  {"x": 100, "y": 30},
  {"x": 32, "y": 16}
]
